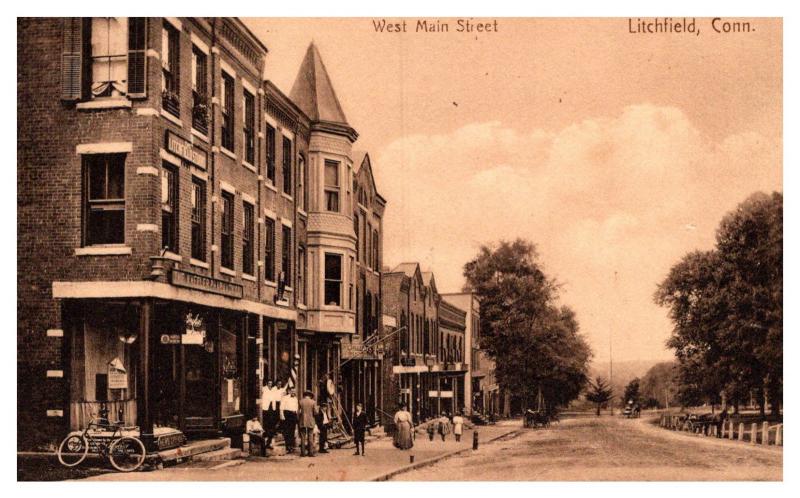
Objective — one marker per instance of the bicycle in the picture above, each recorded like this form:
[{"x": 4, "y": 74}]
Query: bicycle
[{"x": 125, "y": 452}]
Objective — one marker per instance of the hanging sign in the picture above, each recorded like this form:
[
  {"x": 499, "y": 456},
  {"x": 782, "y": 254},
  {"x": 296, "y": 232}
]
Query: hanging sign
[
  {"x": 195, "y": 330},
  {"x": 170, "y": 339},
  {"x": 117, "y": 375}
]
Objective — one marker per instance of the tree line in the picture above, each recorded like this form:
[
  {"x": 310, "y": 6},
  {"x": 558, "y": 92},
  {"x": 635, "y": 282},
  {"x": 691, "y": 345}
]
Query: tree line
[
  {"x": 726, "y": 306},
  {"x": 536, "y": 343}
]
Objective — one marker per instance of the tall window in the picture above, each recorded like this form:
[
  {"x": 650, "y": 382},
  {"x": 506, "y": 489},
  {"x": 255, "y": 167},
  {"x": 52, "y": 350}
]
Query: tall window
[
  {"x": 375, "y": 251},
  {"x": 169, "y": 208},
  {"x": 367, "y": 319},
  {"x": 227, "y": 111},
  {"x": 287, "y": 166},
  {"x": 332, "y": 186},
  {"x": 200, "y": 108},
  {"x": 198, "y": 219},
  {"x": 352, "y": 293},
  {"x": 109, "y": 56},
  {"x": 170, "y": 53},
  {"x": 249, "y": 127},
  {"x": 104, "y": 199},
  {"x": 111, "y": 62},
  {"x": 357, "y": 230},
  {"x": 333, "y": 279},
  {"x": 269, "y": 249},
  {"x": 248, "y": 239},
  {"x": 271, "y": 154},
  {"x": 286, "y": 255},
  {"x": 227, "y": 230},
  {"x": 367, "y": 252},
  {"x": 301, "y": 182},
  {"x": 301, "y": 274}
]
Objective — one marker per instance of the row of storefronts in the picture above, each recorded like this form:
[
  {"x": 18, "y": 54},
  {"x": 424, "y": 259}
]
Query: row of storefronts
[{"x": 210, "y": 234}]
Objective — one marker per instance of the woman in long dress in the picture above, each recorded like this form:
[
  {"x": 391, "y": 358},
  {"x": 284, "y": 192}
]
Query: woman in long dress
[
  {"x": 403, "y": 436},
  {"x": 458, "y": 426}
]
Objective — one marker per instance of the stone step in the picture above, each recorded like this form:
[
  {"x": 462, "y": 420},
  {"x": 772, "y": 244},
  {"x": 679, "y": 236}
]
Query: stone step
[
  {"x": 219, "y": 455},
  {"x": 190, "y": 450}
]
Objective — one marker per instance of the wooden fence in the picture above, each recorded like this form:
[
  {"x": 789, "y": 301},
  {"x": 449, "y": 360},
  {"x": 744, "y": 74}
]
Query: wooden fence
[{"x": 753, "y": 432}]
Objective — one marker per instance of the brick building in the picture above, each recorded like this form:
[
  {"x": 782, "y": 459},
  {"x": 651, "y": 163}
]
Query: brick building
[
  {"x": 417, "y": 367},
  {"x": 480, "y": 386},
  {"x": 453, "y": 367}
]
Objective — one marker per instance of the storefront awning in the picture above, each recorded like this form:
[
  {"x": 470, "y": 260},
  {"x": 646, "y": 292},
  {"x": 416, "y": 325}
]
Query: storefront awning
[{"x": 158, "y": 290}]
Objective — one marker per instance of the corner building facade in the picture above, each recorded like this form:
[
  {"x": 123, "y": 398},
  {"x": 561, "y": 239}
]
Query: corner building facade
[{"x": 143, "y": 195}]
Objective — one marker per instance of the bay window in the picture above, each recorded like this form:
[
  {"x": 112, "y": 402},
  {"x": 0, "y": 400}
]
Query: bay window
[{"x": 332, "y": 186}]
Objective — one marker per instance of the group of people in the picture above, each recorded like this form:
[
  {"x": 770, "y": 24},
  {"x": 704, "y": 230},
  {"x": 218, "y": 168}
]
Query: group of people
[
  {"x": 404, "y": 422},
  {"x": 444, "y": 425},
  {"x": 282, "y": 411}
]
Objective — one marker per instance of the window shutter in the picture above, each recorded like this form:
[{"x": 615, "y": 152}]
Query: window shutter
[
  {"x": 71, "y": 60},
  {"x": 137, "y": 57}
]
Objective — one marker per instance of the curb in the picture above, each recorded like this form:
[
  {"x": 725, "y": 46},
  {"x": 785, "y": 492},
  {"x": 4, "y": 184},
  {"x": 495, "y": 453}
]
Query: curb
[{"x": 430, "y": 461}]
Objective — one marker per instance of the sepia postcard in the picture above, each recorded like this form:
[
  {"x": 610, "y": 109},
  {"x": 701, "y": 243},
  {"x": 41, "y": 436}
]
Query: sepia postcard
[{"x": 399, "y": 249}]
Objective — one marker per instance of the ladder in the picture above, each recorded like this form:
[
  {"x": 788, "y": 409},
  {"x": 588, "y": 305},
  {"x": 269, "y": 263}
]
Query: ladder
[{"x": 338, "y": 434}]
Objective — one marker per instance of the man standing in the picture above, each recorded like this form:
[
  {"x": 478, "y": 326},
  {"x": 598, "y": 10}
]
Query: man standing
[
  {"x": 270, "y": 407},
  {"x": 360, "y": 425},
  {"x": 307, "y": 412},
  {"x": 289, "y": 419},
  {"x": 323, "y": 422}
]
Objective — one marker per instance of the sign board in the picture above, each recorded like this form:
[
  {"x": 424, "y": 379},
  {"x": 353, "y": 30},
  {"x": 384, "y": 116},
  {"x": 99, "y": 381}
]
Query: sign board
[
  {"x": 195, "y": 330},
  {"x": 389, "y": 321},
  {"x": 189, "y": 280},
  {"x": 117, "y": 375},
  {"x": 170, "y": 339},
  {"x": 185, "y": 150}
]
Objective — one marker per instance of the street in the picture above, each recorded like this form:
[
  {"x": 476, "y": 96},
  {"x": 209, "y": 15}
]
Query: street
[
  {"x": 607, "y": 449},
  {"x": 337, "y": 465},
  {"x": 604, "y": 449}
]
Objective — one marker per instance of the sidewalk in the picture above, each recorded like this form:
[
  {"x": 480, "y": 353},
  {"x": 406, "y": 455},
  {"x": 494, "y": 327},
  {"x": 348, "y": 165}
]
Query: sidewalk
[{"x": 338, "y": 465}]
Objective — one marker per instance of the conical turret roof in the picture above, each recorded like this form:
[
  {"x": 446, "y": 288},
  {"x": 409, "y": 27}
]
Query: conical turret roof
[{"x": 313, "y": 92}]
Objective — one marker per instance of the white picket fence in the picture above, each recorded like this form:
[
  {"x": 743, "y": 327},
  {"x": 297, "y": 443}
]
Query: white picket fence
[{"x": 754, "y": 433}]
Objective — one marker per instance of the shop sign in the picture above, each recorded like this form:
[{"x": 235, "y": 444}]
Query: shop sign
[
  {"x": 117, "y": 375},
  {"x": 185, "y": 150},
  {"x": 195, "y": 330},
  {"x": 182, "y": 278},
  {"x": 170, "y": 339}
]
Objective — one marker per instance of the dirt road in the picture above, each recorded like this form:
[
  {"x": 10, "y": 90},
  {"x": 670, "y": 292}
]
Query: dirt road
[{"x": 607, "y": 449}]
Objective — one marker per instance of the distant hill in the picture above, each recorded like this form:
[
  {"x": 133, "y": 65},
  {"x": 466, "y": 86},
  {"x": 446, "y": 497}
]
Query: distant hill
[{"x": 624, "y": 372}]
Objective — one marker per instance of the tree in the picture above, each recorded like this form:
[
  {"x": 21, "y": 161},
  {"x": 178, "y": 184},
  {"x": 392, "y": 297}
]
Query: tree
[
  {"x": 727, "y": 309},
  {"x": 599, "y": 393},
  {"x": 536, "y": 345},
  {"x": 632, "y": 392},
  {"x": 657, "y": 386}
]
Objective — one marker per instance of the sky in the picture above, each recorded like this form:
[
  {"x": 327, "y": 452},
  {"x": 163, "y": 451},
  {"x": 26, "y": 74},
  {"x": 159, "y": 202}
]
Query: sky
[{"x": 615, "y": 153}]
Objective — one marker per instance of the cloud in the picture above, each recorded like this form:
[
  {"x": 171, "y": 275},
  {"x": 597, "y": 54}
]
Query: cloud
[{"x": 608, "y": 200}]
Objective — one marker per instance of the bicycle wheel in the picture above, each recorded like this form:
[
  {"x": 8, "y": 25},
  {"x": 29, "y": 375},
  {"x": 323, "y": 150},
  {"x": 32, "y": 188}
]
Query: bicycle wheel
[
  {"x": 73, "y": 450},
  {"x": 127, "y": 454}
]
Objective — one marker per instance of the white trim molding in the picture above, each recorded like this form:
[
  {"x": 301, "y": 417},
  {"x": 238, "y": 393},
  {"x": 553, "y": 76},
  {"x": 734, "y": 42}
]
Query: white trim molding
[
  {"x": 227, "y": 187},
  {"x": 151, "y": 52},
  {"x": 169, "y": 157},
  {"x": 227, "y": 68},
  {"x": 55, "y": 413},
  {"x": 198, "y": 263},
  {"x": 203, "y": 46},
  {"x": 288, "y": 134},
  {"x": 199, "y": 173},
  {"x": 104, "y": 103},
  {"x": 146, "y": 111},
  {"x": 55, "y": 332},
  {"x": 270, "y": 121},
  {"x": 270, "y": 214},
  {"x": 250, "y": 88},
  {"x": 248, "y": 198},
  {"x": 143, "y": 288},
  {"x": 286, "y": 222},
  {"x": 176, "y": 23},
  {"x": 55, "y": 374},
  {"x": 172, "y": 119},
  {"x": 103, "y": 251},
  {"x": 147, "y": 227},
  {"x": 104, "y": 148},
  {"x": 147, "y": 170},
  {"x": 227, "y": 271}
]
